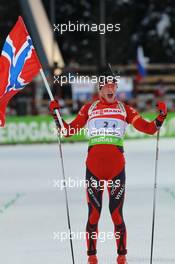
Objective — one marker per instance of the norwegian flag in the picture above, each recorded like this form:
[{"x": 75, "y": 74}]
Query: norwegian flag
[{"x": 19, "y": 64}]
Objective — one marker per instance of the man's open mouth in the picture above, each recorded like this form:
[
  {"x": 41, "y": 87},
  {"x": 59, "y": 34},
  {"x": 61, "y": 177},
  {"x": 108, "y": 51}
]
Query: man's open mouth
[{"x": 110, "y": 95}]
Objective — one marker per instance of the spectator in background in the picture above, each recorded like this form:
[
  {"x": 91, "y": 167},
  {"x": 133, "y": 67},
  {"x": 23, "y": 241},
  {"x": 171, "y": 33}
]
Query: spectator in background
[
  {"x": 160, "y": 91},
  {"x": 95, "y": 95},
  {"x": 73, "y": 66},
  {"x": 149, "y": 105},
  {"x": 66, "y": 95},
  {"x": 170, "y": 105},
  {"x": 63, "y": 93}
]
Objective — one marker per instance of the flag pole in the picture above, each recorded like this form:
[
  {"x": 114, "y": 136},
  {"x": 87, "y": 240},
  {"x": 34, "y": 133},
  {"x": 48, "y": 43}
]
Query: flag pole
[{"x": 61, "y": 158}]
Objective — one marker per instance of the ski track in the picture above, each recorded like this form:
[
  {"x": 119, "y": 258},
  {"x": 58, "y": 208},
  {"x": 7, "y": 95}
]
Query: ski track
[{"x": 32, "y": 209}]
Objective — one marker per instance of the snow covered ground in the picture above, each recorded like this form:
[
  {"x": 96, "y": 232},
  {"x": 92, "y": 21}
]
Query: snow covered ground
[{"x": 32, "y": 207}]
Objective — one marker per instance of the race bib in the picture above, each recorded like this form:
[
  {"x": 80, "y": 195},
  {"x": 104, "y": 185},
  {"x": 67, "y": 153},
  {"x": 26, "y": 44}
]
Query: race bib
[{"x": 106, "y": 126}]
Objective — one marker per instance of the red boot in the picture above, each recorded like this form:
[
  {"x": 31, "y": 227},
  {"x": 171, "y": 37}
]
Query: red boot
[
  {"x": 92, "y": 259},
  {"x": 121, "y": 259}
]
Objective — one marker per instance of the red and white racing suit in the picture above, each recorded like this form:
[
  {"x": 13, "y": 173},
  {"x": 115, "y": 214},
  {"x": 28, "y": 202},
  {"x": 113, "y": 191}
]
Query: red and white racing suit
[{"x": 106, "y": 163}]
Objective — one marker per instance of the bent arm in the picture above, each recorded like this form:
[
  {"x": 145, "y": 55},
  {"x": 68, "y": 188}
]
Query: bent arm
[
  {"x": 142, "y": 125},
  {"x": 78, "y": 123},
  {"x": 145, "y": 126}
]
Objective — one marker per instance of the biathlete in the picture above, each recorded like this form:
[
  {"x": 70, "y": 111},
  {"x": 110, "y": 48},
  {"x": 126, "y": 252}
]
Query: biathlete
[{"x": 106, "y": 120}]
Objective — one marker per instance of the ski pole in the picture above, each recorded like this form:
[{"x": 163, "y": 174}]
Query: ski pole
[
  {"x": 110, "y": 68},
  {"x": 154, "y": 195},
  {"x": 62, "y": 162}
]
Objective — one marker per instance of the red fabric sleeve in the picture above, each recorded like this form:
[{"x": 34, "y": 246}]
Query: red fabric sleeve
[
  {"x": 138, "y": 122},
  {"x": 145, "y": 126},
  {"x": 79, "y": 122}
]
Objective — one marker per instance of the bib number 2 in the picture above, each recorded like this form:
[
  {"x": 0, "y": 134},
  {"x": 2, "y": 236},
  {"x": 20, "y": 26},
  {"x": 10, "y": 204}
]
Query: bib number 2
[{"x": 108, "y": 124}]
